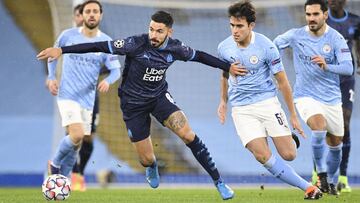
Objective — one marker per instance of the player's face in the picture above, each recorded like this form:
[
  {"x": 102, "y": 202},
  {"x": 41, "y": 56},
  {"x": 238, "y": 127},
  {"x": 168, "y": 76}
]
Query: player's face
[
  {"x": 92, "y": 15},
  {"x": 78, "y": 18},
  {"x": 240, "y": 29},
  {"x": 336, "y": 4},
  {"x": 158, "y": 32},
  {"x": 315, "y": 17}
]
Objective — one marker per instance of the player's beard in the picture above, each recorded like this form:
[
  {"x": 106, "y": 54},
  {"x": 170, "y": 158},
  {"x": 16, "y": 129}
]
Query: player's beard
[
  {"x": 316, "y": 27},
  {"x": 91, "y": 25},
  {"x": 160, "y": 43}
]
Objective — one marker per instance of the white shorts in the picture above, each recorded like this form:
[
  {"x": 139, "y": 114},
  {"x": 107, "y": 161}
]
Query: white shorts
[
  {"x": 259, "y": 120},
  {"x": 333, "y": 114},
  {"x": 71, "y": 112}
]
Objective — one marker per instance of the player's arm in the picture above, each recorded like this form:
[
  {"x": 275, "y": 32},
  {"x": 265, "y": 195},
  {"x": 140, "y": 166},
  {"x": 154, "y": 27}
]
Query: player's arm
[
  {"x": 51, "y": 81},
  {"x": 222, "y": 109},
  {"x": 285, "y": 88},
  {"x": 207, "y": 59},
  {"x": 283, "y": 41},
  {"x": 113, "y": 65}
]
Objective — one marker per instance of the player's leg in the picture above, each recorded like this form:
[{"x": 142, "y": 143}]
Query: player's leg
[
  {"x": 69, "y": 161},
  {"x": 173, "y": 118},
  {"x": 70, "y": 112},
  {"x": 335, "y": 128},
  {"x": 87, "y": 147},
  {"x": 347, "y": 86},
  {"x": 312, "y": 113}
]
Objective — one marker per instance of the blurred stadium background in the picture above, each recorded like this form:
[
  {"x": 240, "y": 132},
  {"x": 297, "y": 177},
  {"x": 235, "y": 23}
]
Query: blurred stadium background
[{"x": 29, "y": 121}]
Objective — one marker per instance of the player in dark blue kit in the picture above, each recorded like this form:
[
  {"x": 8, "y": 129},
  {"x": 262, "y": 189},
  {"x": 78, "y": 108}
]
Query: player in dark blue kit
[
  {"x": 143, "y": 91},
  {"x": 348, "y": 25}
]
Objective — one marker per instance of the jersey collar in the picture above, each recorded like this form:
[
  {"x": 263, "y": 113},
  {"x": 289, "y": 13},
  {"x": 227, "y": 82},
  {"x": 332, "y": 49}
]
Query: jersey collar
[
  {"x": 163, "y": 46},
  {"x": 339, "y": 20},
  {"x": 80, "y": 29}
]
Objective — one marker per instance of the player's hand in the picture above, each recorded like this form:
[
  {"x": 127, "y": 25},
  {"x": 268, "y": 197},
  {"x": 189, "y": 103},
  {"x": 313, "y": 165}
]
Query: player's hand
[
  {"x": 296, "y": 125},
  {"x": 51, "y": 53},
  {"x": 320, "y": 61},
  {"x": 103, "y": 86},
  {"x": 237, "y": 70},
  {"x": 53, "y": 87},
  {"x": 221, "y": 111}
]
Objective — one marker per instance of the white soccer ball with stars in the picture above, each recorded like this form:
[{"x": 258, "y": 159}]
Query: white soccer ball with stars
[{"x": 56, "y": 187}]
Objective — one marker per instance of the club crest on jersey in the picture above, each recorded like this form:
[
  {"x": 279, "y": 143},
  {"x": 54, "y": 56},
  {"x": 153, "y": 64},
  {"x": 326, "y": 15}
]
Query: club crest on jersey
[
  {"x": 169, "y": 58},
  {"x": 254, "y": 59},
  {"x": 119, "y": 43},
  {"x": 326, "y": 48}
]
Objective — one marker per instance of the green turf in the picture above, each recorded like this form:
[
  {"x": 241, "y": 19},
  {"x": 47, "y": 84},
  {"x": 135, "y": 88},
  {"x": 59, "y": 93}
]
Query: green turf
[{"x": 30, "y": 195}]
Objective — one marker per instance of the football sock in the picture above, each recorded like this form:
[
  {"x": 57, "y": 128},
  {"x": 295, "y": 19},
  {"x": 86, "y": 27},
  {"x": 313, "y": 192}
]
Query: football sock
[
  {"x": 202, "y": 155},
  {"x": 333, "y": 161},
  {"x": 319, "y": 146},
  {"x": 345, "y": 153},
  {"x": 66, "y": 146},
  {"x": 85, "y": 153},
  {"x": 68, "y": 162},
  {"x": 284, "y": 172}
]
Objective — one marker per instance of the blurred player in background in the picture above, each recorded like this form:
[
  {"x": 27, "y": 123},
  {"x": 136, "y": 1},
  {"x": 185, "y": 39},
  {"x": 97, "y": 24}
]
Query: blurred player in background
[
  {"x": 87, "y": 147},
  {"x": 76, "y": 93},
  {"x": 320, "y": 56},
  {"x": 256, "y": 110},
  {"x": 143, "y": 91},
  {"x": 347, "y": 24}
]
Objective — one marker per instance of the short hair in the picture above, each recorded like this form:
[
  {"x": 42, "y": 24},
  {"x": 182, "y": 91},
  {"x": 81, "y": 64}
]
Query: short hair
[
  {"x": 163, "y": 17},
  {"x": 89, "y": 2},
  {"x": 322, "y": 3},
  {"x": 77, "y": 8},
  {"x": 243, "y": 9}
]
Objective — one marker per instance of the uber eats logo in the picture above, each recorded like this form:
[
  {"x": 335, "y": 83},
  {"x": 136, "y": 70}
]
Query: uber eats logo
[{"x": 152, "y": 74}]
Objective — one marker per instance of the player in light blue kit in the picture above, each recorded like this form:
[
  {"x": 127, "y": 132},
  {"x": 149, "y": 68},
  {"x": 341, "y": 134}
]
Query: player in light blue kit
[
  {"x": 76, "y": 93},
  {"x": 256, "y": 111},
  {"x": 320, "y": 55}
]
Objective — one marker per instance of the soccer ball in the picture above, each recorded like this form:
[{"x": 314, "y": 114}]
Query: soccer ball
[{"x": 56, "y": 187}]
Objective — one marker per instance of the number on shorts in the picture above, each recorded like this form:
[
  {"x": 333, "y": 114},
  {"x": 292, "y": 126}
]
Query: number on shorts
[
  {"x": 279, "y": 118},
  {"x": 352, "y": 95}
]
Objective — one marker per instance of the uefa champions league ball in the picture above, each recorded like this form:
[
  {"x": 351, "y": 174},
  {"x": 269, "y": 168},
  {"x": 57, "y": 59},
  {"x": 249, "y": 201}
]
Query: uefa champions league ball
[{"x": 56, "y": 187}]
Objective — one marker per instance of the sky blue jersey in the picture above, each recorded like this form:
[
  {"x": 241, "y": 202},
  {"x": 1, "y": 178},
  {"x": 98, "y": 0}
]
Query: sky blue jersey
[
  {"x": 80, "y": 72},
  {"x": 261, "y": 59},
  {"x": 311, "y": 80}
]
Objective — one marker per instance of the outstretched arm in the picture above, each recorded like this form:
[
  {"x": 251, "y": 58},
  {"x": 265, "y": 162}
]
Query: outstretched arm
[
  {"x": 212, "y": 61},
  {"x": 54, "y": 53}
]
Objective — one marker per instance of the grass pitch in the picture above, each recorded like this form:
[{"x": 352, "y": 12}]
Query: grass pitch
[{"x": 147, "y": 195}]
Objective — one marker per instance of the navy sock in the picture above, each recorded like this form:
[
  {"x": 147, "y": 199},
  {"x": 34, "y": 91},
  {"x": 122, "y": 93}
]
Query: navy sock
[
  {"x": 85, "y": 153},
  {"x": 202, "y": 155},
  {"x": 345, "y": 153}
]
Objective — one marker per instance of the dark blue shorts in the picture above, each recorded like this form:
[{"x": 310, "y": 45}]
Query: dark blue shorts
[
  {"x": 347, "y": 87},
  {"x": 137, "y": 115}
]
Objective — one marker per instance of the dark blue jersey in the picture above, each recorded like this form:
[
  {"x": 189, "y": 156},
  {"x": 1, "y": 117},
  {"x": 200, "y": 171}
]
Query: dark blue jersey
[
  {"x": 348, "y": 26},
  {"x": 145, "y": 66}
]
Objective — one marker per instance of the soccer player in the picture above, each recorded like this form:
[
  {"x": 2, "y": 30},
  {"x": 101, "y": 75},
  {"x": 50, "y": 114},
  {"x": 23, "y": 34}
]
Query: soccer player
[
  {"x": 320, "y": 55},
  {"x": 76, "y": 93},
  {"x": 256, "y": 111},
  {"x": 143, "y": 91},
  {"x": 77, "y": 175},
  {"x": 348, "y": 25}
]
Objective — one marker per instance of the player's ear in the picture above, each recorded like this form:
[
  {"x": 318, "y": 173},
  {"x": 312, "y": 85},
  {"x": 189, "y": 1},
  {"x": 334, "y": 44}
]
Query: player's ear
[
  {"x": 326, "y": 15},
  {"x": 252, "y": 25},
  {"x": 170, "y": 32}
]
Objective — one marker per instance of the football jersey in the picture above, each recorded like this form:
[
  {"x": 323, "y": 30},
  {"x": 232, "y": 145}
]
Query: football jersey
[
  {"x": 80, "y": 72},
  {"x": 261, "y": 59},
  {"x": 144, "y": 74},
  {"x": 311, "y": 80}
]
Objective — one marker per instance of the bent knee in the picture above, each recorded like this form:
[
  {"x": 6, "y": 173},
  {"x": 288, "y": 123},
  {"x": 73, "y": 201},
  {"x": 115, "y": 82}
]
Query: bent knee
[{"x": 289, "y": 155}]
